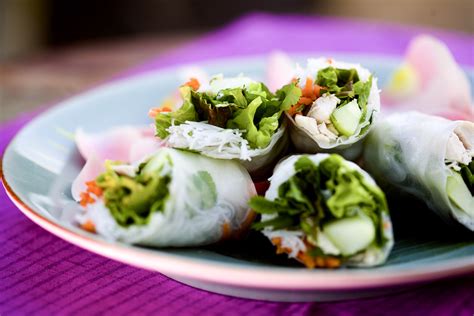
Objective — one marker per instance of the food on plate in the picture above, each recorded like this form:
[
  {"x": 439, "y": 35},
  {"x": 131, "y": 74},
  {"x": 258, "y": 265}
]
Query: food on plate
[
  {"x": 229, "y": 118},
  {"x": 123, "y": 143},
  {"x": 325, "y": 212},
  {"x": 173, "y": 198},
  {"x": 430, "y": 81},
  {"x": 338, "y": 104},
  {"x": 429, "y": 157}
]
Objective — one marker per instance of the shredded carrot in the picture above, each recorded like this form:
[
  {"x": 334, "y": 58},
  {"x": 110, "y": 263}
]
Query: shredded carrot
[
  {"x": 86, "y": 198},
  {"x": 226, "y": 231},
  {"x": 309, "y": 93},
  {"x": 304, "y": 257},
  {"x": 154, "y": 111},
  {"x": 92, "y": 187},
  {"x": 305, "y": 101},
  {"x": 245, "y": 225},
  {"x": 193, "y": 83},
  {"x": 89, "y": 226},
  {"x": 317, "y": 90}
]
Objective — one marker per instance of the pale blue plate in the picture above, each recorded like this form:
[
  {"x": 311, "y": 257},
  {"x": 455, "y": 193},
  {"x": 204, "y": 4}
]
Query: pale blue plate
[{"x": 41, "y": 162}]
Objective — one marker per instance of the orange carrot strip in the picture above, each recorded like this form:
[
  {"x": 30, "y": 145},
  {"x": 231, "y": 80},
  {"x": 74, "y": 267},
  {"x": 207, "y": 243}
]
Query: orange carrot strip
[
  {"x": 89, "y": 226},
  {"x": 86, "y": 199},
  {"x": 193, "y": 83},
  {"x": 317, "y": 91},
  {"x": 305, "y": 101},
  {"x": 308, "y": 88},
  {"x": 92, "y": 187},
  {"x": 295, "y": 109},
  {"x": 226, "y": 231},
  {"x": 154, "y": 111}
]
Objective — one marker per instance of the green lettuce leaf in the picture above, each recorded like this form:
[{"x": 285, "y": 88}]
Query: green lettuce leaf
[
  {"x": 346, "y": 85},
  {"x": 132, "y": 201},
  {"x": 288, "y": 95},
  {"x": 327, "y": 77},
  {"x": 467, "y": 173},
  {"x": 186, "y": 112},
  {"x": 318, "y": 194},
  {"x": 252, "y": 109},
  {"x": 203, "y": 189},
  {"x": 362, "y": 91}
]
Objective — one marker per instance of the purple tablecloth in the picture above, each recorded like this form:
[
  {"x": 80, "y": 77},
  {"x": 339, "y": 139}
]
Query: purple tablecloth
[{"x": 41, "y": 273}]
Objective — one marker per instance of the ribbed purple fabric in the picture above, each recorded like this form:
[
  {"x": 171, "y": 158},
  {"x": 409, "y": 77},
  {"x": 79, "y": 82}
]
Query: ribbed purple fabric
[{"x": 42, "y": 274}]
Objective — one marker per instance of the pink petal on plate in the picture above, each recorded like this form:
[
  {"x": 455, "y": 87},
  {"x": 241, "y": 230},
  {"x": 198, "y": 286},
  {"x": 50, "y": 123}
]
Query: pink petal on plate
[
  {"x": 90, "y": 171},
  {"x": 114, "y": 144},
  {"x": 125, "y": 143},
  {"x": 280, "y": 70},
  {"x": 442, "y": 87},
  {"x": 144, "y": 147}
]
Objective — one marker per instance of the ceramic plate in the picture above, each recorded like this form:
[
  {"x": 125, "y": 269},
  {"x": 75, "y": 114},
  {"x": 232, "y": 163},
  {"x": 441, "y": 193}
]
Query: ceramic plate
[{"x": 41, "y": 162}]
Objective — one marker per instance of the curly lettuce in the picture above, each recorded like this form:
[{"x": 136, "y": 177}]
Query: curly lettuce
[
  {"x": 252, "y": 109},
  {"x": 318, "y": 195}
]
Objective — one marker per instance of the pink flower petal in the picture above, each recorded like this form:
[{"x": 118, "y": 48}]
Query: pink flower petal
[
  {"x": 126, "y": 143},
  {"x": 114, "y": 144},
  {"x": 443, "y": 86},
  {"x": 90, "y": 171},
  {"x": 280, "y": 70}
]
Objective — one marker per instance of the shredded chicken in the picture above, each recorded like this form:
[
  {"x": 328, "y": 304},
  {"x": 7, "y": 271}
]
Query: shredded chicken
[
  {"x": 458, "y": 151},
  {"x": 323, "y": 107}
]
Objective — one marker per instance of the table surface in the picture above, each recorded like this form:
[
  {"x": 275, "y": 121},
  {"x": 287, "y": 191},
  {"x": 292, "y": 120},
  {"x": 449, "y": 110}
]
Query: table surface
[
  {"x": 44, "y": 274},
  {"x": 56, "y": 74}
]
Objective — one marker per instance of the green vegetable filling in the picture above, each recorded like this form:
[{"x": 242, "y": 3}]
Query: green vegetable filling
[
  {"x": 467, "y": 173},
  {"x": 346, "y": 85},
  {"x": 132, "y": 200},
  {"x": 253, "y": 109},
  {"x": 327, "y": 197},
  {"x": 460, "y": 188}
]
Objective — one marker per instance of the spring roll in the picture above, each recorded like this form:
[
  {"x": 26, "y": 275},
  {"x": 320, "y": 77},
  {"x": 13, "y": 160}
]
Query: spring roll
[
  {"x": 339, "y": 102},
  {"x": 325, "y": 212},
  {"x": 429, "y": 157},
  {"x": 172, "y": 199},
  {"x": 230, "y": 118}
]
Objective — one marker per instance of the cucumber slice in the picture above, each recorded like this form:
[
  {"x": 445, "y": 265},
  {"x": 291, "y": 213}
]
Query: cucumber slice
[
  {"x": 346, "y": 118},
  {"x": 157, "y": 162},
  {"x": 459, "y": 194},
  {"x": 350, "y": 235}
]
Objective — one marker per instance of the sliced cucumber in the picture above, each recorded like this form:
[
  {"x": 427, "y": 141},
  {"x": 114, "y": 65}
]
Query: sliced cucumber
[
  {"x": 346, "y": 118},
  {"x": 157, "y": 162},
  {"x": 459, "y": 194},
  {"x": 350, "y": 235}
]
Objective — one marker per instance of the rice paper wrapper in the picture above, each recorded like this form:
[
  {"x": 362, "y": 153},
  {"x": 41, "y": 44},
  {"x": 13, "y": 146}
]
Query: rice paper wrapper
[
  {"x": 348, "y": 147},
  {"x": 372, "y": 256},
  {"x": 259, "y": 162},
  {"x": 187, "y": 218},
  {"x": 408, "y": 151}
]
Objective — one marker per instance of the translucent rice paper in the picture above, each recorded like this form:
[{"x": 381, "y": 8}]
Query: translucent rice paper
[
  {"x": 221, "y": 143},
  {"x": 183, "y": 222},
  {"x": 408, "y": 151},
  {"x": 372, "y": 256},
  {"x": 349, "y": 147}
]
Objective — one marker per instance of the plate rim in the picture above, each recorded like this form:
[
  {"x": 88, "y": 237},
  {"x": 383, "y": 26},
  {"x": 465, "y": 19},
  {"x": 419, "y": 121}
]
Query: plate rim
[{"x": 230, "y": 274}]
